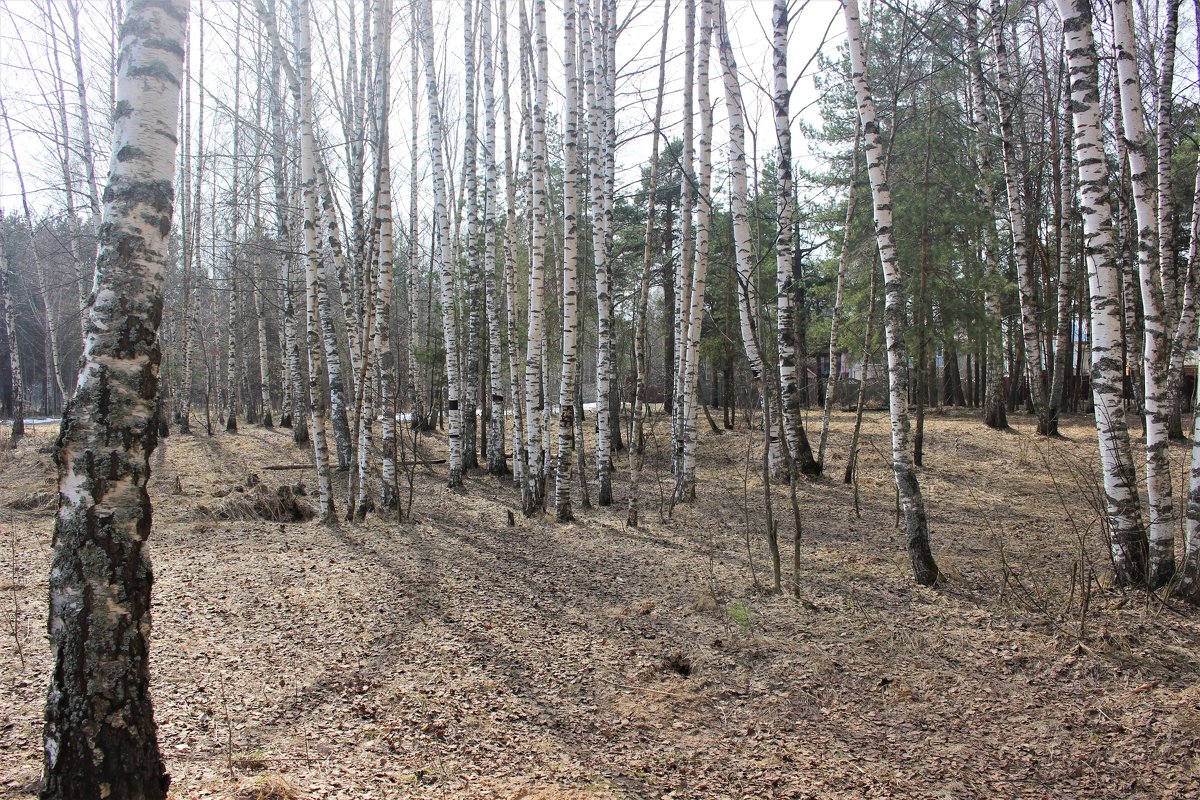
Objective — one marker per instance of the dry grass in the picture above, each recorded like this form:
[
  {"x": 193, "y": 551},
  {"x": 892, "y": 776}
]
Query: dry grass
[
  {"x": 270, "y": 787},
  {"x": 258, "y": 502},
  {"x": 456, "y": 657}
]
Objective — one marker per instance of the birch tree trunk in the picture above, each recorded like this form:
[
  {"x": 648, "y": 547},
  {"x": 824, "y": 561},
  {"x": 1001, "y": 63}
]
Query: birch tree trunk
[
  {"x": 264, "y": 357},
  {"x": 293, "y": 402},
  {"x": 416, "y": 408},
  {"x": 1006, "y": 101},
  {"x": 795, "y": 437},
  {"x": 995, "y": 413},
  {"x": 315, "y": 310},
  {"x": 916, "y": 524},
  {"x": 193, "y": 251},
  {"x": 747, "y": 293},
  {"x": 443, "y": 253},
  {"x": 496, "y": 462},
  {"x": 687, "y": 245},
  {"x": 1161, "y": 565},
  {"x": 595, "y": 89},
  {"x": 515, "y": 378},
  {"x": 339, "y": 413},
  {"x": 570, "y": 256},
  {"x": 533, "y": 496},
  {"x": 1128, "y": 537},
  {"x": 383, "y": 220},
  {"x": 470, "y": 388},
  {"x": 685, "y": 484},
  {"x": 1066, "y": 281},
  {"x": 233, "y": 373},
  {"x": 637, "y": 440},
  {"x": 260, "y": 305},
  {"x": 1166, "y": 217},
  {"x": 609, "y": 27},
  {"x": 100, "y": 734},
  {"x": 14, "y": 353}
]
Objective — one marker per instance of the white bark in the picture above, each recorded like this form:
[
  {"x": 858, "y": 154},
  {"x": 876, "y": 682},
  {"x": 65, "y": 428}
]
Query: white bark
[
  {"x": 383, "y": 221},
  {"x": 917, "y": 531},
  {"x": 747, "y": 292},
  {"x": 470, "y": 388},
  {"x": 1160, "y": 503},
  {"x": 100, "y": 733},
  {"x": 995, "y": 402},
  {"x": 315, "y": 310},
  {"x": 685, "y": 484},
  {"x": 1128, "y": 537},
  {"x": 443, "y": 253},
  {"x": 535, "y": 407},
  {"x": 515, "y": 378},
  {"x": 795, "y": 437},
  {"x": 570, "y": 256},
  {"x": 1006, "y": 101},
  {"x": 597, "y": 144},
  {"x": 496, "y": 462}
]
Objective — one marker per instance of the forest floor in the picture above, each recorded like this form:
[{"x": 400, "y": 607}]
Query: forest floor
[{"x": 458, "y": 657}]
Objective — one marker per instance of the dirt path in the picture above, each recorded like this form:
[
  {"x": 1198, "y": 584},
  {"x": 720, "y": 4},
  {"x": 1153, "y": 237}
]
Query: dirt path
[{"x": 461, "y": 658}]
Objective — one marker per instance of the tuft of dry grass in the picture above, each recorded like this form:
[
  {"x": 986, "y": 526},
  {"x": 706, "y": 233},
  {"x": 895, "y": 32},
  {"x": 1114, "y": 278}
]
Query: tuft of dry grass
[
  {"x": 257, "y": 502},
  {"x": 270, "y": 787},
  {"x": 34, "y": 501}
]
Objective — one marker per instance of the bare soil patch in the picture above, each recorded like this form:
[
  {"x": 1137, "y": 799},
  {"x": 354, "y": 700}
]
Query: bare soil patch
[{"x": 458, "y": 657}]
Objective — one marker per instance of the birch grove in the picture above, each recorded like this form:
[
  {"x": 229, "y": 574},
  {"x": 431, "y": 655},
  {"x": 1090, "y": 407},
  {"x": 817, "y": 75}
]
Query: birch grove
[
  {"x": 454, "y": 269},
  {"x": 512, "y": 257}
]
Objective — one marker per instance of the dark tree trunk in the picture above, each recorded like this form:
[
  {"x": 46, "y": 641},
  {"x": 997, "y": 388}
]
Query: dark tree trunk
[{"x": 100, "y": 734}]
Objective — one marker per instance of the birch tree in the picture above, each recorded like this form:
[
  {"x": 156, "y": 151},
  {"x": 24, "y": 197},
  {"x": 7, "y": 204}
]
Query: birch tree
[
  {"x": 496, "y": 462},
  {"x": 315, "y": 310},
  {"x": 470, "y": 387},
  {"x": 747, "y": 293},
  {"x": 100, "y": 734},
  {"x": 533, "y": 495},
  {"x": 916, "y": 523},
  {"x": 39, "y": 269},
  {"x": 685, "y": 276},
  {"x": 570, "y": 256},
  {"x": 839, "y": 295},
  {"x": 801, "y": 455},
  {"x": 1127, "y": 535},
  {"x": 383, "y": 223},
  {"x": 443, "y": 253},
  {"x": 1161, "y": 565},
  {"x": 515, "y": 378},
  {"x": 995, "y": 413},
  {"x": 595, "y": 87},
  {"x": 14, "y": 352},
  {"x": 1030, "y": 331},
  {"x": 685, "y": 484}
]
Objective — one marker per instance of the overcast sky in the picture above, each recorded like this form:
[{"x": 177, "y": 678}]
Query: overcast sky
[{"x": 26, "y": 83}]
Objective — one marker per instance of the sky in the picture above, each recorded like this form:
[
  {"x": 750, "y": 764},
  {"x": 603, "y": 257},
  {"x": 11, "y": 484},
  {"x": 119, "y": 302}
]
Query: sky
[{"x": 26, "y": 77}]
